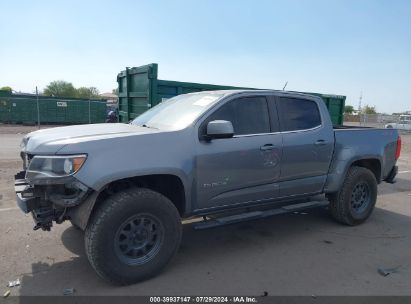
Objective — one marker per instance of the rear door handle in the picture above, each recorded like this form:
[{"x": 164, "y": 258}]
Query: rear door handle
[
  {"x": 320, "y": 142},
  {"x": 267, "y": 147}
]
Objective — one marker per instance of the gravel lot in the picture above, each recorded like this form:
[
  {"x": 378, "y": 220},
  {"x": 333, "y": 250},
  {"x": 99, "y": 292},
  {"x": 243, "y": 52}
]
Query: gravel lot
[{"x": 296, "y": 254}]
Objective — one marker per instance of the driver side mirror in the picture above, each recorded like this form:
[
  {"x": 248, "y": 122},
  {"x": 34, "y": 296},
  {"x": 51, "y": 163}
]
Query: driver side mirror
[{"x": 220, "y": 129}]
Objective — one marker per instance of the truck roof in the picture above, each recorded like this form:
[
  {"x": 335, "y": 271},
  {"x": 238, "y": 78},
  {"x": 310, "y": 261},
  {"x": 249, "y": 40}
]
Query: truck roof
[{"x": 239, "y": 91}]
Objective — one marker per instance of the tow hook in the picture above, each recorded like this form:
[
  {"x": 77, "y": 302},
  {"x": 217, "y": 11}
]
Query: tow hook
[
  {"x": 43, "y": 217},
  {"x": 43, "y": 226}
]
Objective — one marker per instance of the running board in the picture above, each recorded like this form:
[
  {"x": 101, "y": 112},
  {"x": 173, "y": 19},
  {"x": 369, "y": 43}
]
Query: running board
[{"x": 253, "y": 215}]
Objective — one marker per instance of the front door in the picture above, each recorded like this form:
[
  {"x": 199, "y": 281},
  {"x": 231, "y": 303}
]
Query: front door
[{"x": 246, "y": 167}]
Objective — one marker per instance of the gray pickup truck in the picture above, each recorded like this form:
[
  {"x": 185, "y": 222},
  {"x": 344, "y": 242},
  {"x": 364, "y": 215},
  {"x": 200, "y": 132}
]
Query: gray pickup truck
[{"x": 219, "y": 156}]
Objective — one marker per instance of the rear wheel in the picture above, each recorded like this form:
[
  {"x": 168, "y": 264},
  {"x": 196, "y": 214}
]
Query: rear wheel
[
  {"x": 132, "y": 236},
  {"x": 354, "y": 203}
]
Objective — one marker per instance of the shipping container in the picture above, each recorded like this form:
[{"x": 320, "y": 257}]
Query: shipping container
[
  {"x": 140, "y": 89},
  {"x": 22, "y": 108}
]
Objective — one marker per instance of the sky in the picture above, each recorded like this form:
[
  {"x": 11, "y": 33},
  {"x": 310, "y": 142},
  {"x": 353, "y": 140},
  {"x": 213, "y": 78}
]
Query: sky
[{"x": 340, "y": 47}]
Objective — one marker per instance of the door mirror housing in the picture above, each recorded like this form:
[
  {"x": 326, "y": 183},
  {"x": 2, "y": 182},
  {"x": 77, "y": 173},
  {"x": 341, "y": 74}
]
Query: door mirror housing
[{"x": 220, "y": 129}]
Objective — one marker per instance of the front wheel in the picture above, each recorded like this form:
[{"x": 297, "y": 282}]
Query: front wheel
[
  {"x": 132, "y": 236},
  {"x": 355, "y": 201}
]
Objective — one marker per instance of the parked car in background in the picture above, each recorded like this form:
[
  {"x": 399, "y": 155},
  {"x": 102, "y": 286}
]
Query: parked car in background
[{"x": 403, "y": 124}]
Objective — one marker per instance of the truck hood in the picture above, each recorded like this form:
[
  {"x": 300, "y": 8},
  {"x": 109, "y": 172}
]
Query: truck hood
[{"x": 53, "y": 139}]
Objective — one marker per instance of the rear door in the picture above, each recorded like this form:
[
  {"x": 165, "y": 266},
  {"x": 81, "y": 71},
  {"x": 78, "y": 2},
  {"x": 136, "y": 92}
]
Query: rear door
[
  {"x": 245, "y": 168},
  {"x": 308, "y": 143}
]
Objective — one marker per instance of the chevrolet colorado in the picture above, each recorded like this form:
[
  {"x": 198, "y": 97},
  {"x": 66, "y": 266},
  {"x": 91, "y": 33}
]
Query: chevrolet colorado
[{"x": 225, "y": 156}]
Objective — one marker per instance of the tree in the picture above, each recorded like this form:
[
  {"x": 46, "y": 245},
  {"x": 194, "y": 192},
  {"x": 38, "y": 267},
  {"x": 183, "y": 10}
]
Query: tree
[
  {"x": 60, "y": 88},
  {"x": 6, "y": 88},
  {"x": 369, "y": 109},
  {"x": 84, "y": 92},
  {"x": 348, "y": 109}
]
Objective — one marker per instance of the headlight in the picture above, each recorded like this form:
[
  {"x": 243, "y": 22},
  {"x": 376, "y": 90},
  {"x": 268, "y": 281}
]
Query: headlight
[{"x": 45, "y": 167}]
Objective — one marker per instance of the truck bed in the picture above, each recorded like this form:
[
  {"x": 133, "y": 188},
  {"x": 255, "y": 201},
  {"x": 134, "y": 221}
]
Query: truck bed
[
  {"x": 352, "y": 127},
  {"x": 377, "y": 143}
]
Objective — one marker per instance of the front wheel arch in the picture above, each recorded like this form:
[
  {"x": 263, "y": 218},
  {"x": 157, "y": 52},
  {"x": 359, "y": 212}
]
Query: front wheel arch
[{"x": 171, "y": 186}]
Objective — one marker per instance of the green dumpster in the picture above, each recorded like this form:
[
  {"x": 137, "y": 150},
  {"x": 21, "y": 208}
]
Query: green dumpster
[{"x": 140, "y": 89}]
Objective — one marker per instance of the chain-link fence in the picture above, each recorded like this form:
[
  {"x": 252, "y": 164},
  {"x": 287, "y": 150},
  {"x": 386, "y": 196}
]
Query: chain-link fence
[
  {"x": 22, "y": 109},
  {"x": 370, "y": 120},
  {"x": 401, "y": 122}
]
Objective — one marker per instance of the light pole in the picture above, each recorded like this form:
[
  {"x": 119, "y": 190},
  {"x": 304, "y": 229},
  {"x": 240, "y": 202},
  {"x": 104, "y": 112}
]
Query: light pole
[{"x": 38, "y": 108}]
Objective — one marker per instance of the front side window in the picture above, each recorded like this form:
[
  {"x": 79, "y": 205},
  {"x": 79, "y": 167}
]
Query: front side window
[
  {"x": 298, "y": 114},
  {"x": 249, "y": 115}
]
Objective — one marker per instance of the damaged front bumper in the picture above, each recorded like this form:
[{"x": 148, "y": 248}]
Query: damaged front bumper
[{"x": 49, "y": 200}]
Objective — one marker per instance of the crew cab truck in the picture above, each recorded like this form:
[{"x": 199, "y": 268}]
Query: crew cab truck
[{"x": 226, "y": 156}]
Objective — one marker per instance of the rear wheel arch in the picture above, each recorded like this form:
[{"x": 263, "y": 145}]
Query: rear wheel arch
[
  {"x": 372, "y": 164},
  {"x": 355, "y": 200}
]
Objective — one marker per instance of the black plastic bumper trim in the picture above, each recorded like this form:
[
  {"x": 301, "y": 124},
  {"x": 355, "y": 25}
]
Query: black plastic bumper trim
[{"x": 391, "y": 176}]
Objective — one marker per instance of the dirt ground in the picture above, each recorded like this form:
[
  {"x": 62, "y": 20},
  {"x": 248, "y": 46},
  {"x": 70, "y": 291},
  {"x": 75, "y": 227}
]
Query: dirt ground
[{"x": 295, "y": 254}]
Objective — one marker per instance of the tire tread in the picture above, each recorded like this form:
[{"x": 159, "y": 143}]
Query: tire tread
[
  {"x": 103, "y": 212},
  {"x": 340, "y": 210}
]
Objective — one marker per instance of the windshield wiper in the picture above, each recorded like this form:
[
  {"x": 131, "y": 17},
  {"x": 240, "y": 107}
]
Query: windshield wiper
[{"x": 150, "y": 127}]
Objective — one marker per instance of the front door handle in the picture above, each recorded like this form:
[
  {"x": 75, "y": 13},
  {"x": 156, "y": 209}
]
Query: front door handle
[
  {"x": 267, "y": 147},
  {"x": 320, "y": 142}
]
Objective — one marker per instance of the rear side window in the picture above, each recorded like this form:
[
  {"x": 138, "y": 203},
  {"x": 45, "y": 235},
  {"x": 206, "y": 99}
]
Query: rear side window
[
  {"x": 298, "y": 114},
  {"x": 248, "y": 115}
]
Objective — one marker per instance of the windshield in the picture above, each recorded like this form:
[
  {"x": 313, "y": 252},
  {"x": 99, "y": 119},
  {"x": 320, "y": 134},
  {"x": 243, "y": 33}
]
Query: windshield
[{"x": 178, "y": 112}]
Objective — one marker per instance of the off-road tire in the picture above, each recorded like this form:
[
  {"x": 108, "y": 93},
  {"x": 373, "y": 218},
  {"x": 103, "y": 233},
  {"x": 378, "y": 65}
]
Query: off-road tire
[
  {"x": 341, "y": 203},
  {"x": 110, "y": 216}
]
